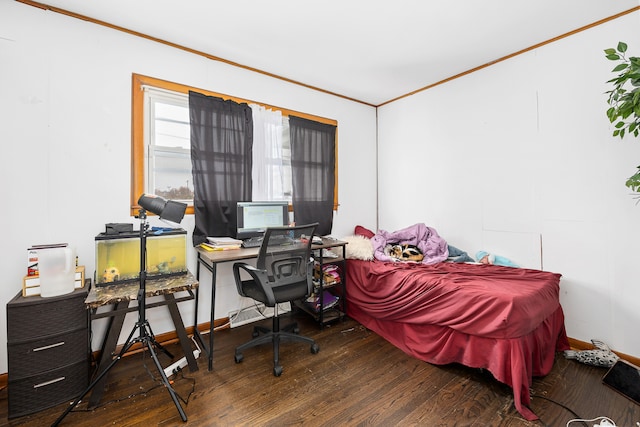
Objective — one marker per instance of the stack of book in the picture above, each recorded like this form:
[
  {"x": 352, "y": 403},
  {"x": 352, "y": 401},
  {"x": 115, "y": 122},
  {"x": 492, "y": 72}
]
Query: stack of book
[
  {"x": 221, "y": 244},
  {"x": 328, "y": 301},
  {"x": 331, "y": 275}
]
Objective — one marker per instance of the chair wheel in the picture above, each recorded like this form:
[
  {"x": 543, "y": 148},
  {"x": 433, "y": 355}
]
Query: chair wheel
[
  {"x": 315, "y": 348},
  {"x": 277, "y": 371},
  {"x": 239, "y": 357}
]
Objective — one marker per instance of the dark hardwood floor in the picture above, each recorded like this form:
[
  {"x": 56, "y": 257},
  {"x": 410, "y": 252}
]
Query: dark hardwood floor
[{"x": 357, "y": 378}]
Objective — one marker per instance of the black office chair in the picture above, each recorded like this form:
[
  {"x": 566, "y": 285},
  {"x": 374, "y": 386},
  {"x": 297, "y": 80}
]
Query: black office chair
[{"x": 283, "y": 273}]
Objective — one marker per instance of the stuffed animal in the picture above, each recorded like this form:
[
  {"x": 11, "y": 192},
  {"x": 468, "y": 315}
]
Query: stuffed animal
[
  {"x": 600, "y": 356},
  {"x": 110, "y": 274}
]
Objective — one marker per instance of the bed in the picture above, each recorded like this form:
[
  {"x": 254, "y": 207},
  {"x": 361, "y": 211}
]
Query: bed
[{"x": 503, "y": 319}]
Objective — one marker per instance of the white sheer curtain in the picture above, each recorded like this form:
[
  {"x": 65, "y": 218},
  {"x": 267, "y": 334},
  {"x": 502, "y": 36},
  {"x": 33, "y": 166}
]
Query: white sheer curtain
[{"x": 271, "y": 156}]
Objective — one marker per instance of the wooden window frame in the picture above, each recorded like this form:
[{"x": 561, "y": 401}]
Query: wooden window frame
[{"x": 138, "y": 118}]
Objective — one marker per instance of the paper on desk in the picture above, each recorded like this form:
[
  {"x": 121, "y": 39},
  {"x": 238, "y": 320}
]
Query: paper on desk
[
  {"x": 210, "y": 248},
  {"x": 222, "y": 241}
]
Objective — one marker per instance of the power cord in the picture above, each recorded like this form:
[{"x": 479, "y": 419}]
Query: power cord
[
  {"x": 132, "y": 395},
  {"x": 158, "y": 384},
  {"x": 603, "y": 421},
  {"x": 533, "y": 394},
  {"x": 193, "y": 386},
  {"x": 171, "y": 382}
]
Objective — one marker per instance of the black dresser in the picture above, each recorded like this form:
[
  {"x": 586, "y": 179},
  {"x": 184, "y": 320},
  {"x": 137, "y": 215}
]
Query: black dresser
[{"x": 48, "y": 350}]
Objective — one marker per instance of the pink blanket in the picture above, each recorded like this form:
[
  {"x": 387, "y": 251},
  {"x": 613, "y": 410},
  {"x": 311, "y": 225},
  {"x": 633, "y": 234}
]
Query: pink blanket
[{"x": 506, "y": 320}]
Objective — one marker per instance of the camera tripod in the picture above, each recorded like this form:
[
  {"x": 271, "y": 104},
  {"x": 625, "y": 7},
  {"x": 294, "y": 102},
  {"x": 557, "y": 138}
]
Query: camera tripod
[{"x": 145, "y": 334}]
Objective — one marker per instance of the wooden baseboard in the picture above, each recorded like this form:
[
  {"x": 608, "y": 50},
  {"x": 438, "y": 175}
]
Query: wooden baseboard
[
  {"x": 164, "y": 339},
  {"x": 172, "y": 337}
]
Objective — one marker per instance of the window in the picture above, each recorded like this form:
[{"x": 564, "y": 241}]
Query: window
[
  {"x": 167, "y": 146},
  {"x": 161, "y": 160}
]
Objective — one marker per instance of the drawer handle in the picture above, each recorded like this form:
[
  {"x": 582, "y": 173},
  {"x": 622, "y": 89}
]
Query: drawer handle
[
  {"x": 47, "y": 347},
  {"x": 49, "y": 382}
]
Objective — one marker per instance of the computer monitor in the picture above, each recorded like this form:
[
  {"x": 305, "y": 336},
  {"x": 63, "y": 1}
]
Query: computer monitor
[{"x": 255, "y": 217}]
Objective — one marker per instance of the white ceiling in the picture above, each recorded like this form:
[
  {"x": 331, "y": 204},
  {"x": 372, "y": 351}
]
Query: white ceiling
[{"x": 368, "y": 50}]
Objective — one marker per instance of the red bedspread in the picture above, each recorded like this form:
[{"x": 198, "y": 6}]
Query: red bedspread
[{"x": 503, "y": 319}]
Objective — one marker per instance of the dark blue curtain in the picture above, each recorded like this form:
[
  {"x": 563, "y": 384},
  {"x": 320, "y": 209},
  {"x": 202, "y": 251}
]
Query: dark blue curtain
[
  {"x": 313, "y": 149},
  {"x": 221, "y": 141}
]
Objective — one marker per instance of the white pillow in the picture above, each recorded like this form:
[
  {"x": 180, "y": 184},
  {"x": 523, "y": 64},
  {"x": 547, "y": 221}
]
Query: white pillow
[{"x": 359, "y": 247}]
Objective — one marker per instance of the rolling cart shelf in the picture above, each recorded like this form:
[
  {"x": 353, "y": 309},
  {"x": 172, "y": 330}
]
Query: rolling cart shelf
[{"x": 328, "y": 285}]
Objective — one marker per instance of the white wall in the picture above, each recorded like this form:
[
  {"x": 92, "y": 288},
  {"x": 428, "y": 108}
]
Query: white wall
[
  {"x": 518, "y": 159},
  {"x": 65, "y": 106}
]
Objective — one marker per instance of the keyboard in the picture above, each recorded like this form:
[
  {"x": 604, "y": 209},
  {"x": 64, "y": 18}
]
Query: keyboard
[
  {"x": 255, "y": 242},
  {"x": 252, "y": 242}
]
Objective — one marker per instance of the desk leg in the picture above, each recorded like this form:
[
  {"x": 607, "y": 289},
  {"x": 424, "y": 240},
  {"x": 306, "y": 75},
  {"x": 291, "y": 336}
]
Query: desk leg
[
  {"x": 208, "y": 348},
  {"x": 108, "y": 352},
  {"x": 196, "y": 330},
  {"x": 181, "y": 332},
  {"x": 213, "y": 309},
  {"x": 195, "y": 315}
]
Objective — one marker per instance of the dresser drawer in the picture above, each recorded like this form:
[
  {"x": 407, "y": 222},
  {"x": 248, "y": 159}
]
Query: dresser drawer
[
  {"x": 29, "y": 358},
  {"x": 32, "y": 394},
  {"x": 33, "y": 317}
]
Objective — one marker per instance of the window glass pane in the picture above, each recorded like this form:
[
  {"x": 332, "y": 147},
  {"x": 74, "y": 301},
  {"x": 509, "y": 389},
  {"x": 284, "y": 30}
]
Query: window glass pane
[
  {"x": 169, "y": 149},
  {"x": 172, "y": 175},
  {"x": 172, "y": 125}
]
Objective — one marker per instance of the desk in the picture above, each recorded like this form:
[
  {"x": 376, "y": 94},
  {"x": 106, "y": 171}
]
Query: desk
[
  {"x": 210, "y": 260},
  {"x": 119, "y": 297}
]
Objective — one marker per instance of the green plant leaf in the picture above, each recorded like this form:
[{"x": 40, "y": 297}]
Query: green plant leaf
[
  {"x": 625, "y": 109},
  {"x": 633, "y": 182},
  {"x": 624, "y": 100}
]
